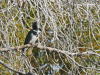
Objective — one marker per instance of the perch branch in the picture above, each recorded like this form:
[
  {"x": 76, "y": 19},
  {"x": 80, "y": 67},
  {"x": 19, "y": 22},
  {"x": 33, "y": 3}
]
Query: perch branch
[{"x": 50, "y": 49}]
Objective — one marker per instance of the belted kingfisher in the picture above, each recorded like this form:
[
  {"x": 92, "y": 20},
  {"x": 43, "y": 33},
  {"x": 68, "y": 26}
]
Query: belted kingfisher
[{"x": 32, "y": 36}]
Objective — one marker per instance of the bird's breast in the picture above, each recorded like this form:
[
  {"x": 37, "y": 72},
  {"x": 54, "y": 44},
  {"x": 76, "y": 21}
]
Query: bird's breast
[
  {"x": 33, "y": 38},
  {"x": 38, "y": 32}
]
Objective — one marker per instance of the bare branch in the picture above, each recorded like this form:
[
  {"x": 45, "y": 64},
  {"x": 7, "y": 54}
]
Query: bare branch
[
  {"x": 50, "y": 49},
  {"x": 17, "y": 47}
]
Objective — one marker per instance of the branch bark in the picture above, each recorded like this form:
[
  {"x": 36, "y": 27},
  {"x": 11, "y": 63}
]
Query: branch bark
[{"x": 50, "y": 49}]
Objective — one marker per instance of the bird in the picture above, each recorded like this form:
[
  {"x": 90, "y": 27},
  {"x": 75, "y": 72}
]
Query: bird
[{"x": 32, "y": 36}]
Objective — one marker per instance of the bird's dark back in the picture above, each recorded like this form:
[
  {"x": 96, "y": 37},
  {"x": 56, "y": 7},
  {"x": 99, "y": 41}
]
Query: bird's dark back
[{"x": 28, "y": 37}]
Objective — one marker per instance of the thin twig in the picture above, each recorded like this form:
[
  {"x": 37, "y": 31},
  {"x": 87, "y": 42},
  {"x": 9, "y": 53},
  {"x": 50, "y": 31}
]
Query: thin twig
[{"x": 10, "y": 68}]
